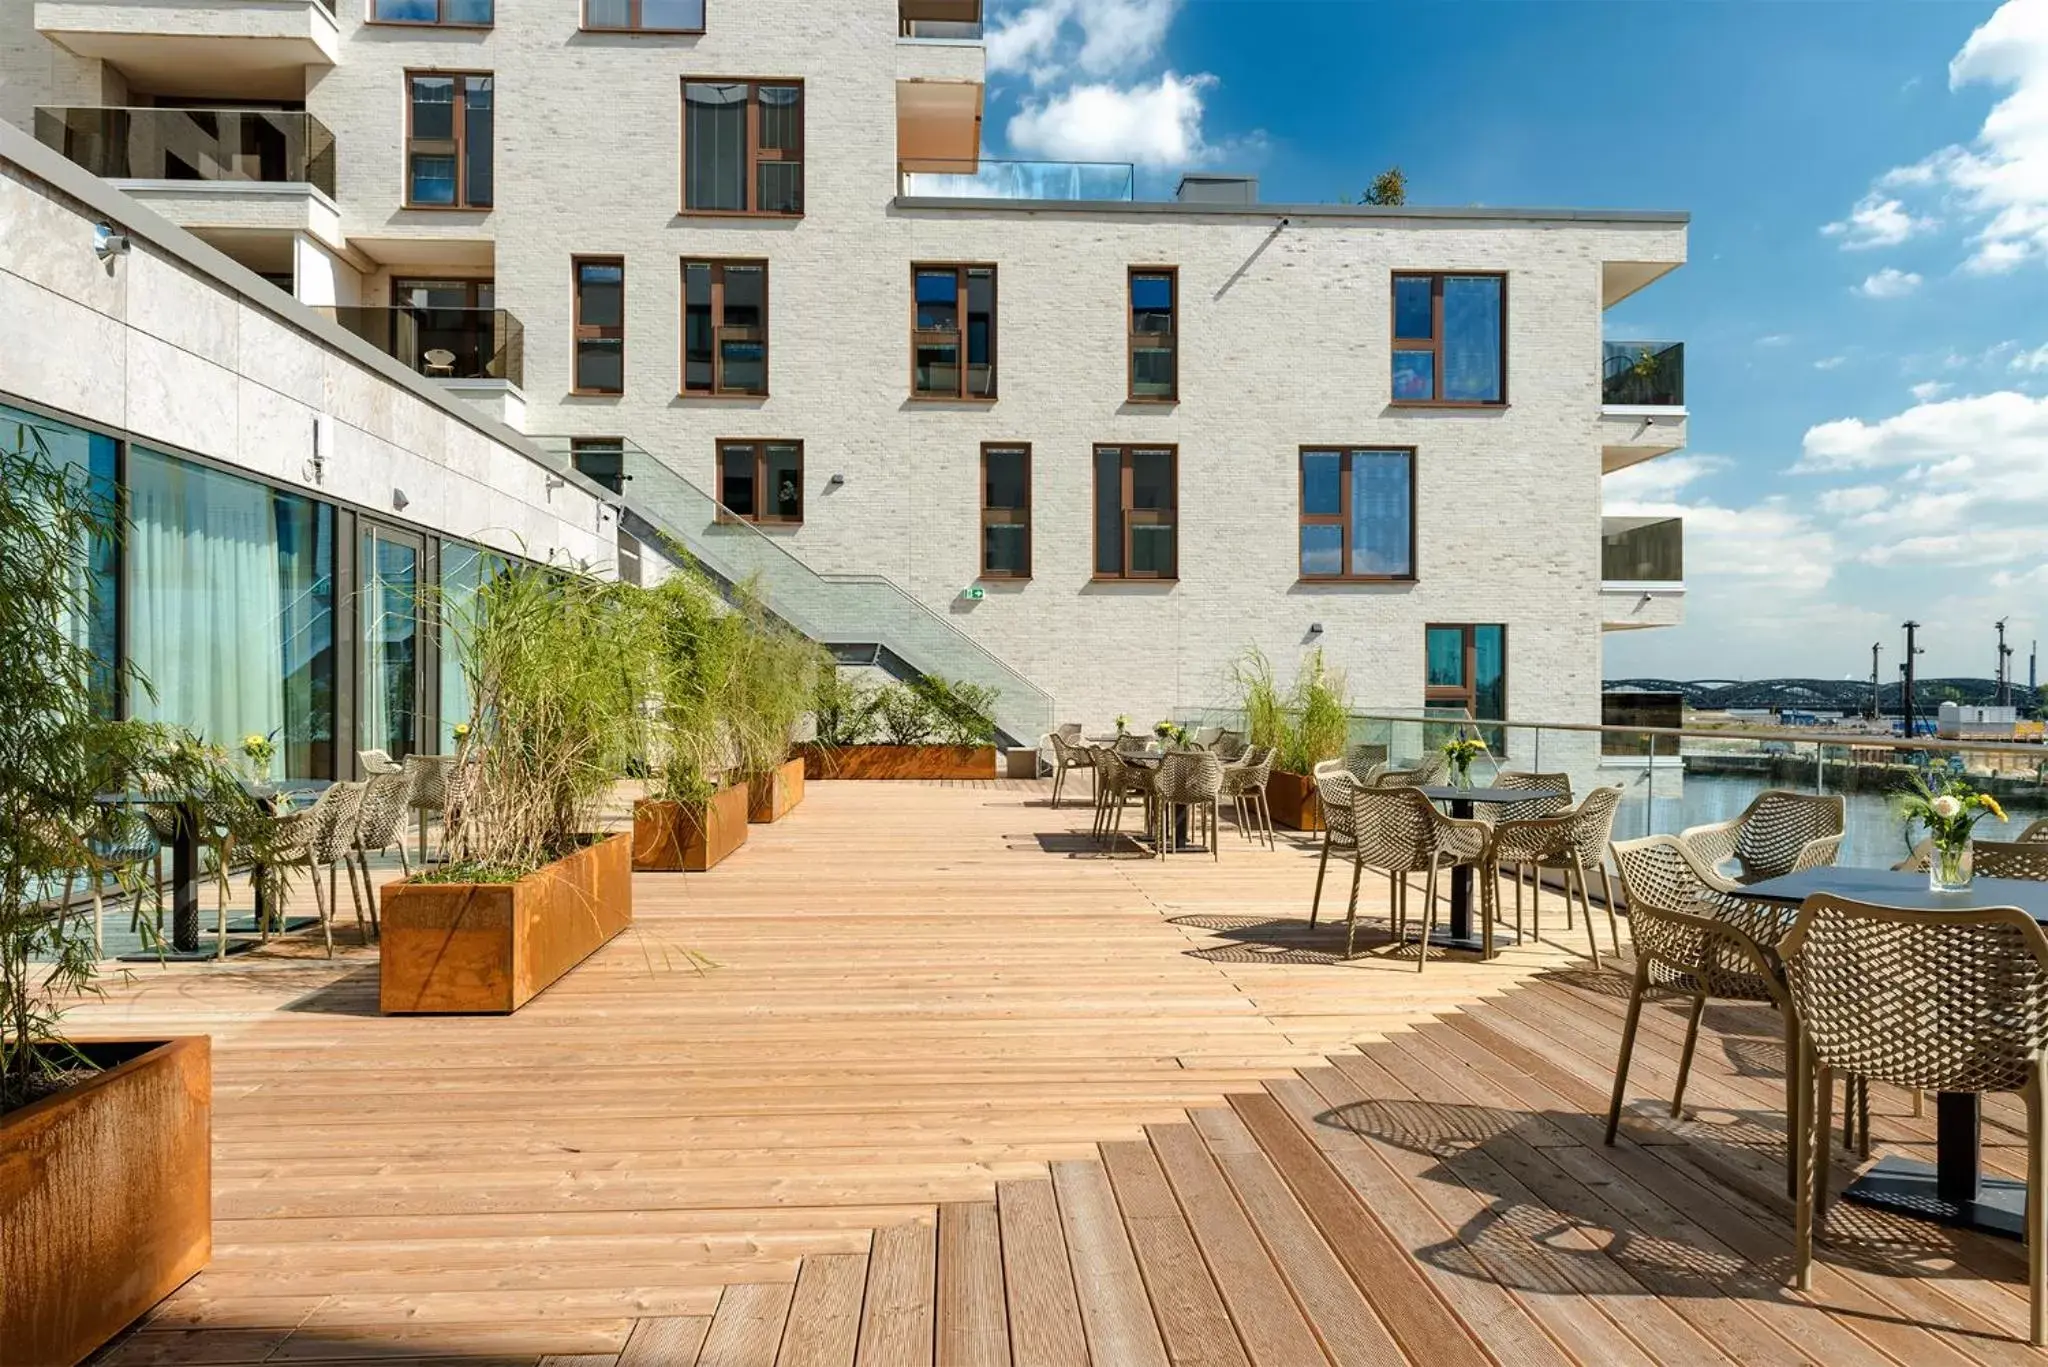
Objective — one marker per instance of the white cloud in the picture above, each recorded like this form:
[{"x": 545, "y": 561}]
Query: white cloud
[
  {"x": 1854, "y": 498},
  {"x": 1928, "y": 390},
  {"x": 1878, "y": 222},
  {"x": 2036, "y": 359},
  {"x": 2005, "y": 430},
  {"x": 1831, "y": 363},
  {"x": 2000, "y": 180},
  {"x": 1774, "y": 339},
  {"x": 1048, "y": 38},
  {"x": 1769, "y": 543},
  {"x": 1889, "y": 283},
  {"x": 1653, "y": 485},
  {"x": 1157, "y": 125}
]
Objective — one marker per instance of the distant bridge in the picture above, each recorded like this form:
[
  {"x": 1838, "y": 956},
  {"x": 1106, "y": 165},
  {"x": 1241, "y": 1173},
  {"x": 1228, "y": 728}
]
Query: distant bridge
[{"x": 1828, "y": 695}]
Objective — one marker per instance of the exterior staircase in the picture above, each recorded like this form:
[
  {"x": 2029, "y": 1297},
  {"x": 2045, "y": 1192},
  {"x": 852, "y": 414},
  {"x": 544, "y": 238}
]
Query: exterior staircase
[{"x": 864, "y": 619}]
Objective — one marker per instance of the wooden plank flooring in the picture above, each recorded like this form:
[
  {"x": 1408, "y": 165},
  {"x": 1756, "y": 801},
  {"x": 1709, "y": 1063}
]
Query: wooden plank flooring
[{"x": 921, "y": 1077}]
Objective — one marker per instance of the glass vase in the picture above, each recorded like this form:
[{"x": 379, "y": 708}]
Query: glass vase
[
  {"x": 1949, "y": 867},
  {"x": 1461, "y": 773}
]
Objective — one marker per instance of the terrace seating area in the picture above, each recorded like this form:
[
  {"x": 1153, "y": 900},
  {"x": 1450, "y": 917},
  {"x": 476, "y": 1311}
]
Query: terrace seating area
[{"x": 927, "y": 1073}]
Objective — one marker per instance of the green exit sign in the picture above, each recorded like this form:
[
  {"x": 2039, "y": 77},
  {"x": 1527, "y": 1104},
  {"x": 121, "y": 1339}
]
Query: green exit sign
[{"x": 974, "y": 593}]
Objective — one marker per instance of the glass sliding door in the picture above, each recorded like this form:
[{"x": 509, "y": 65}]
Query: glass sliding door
[
  {"x": 89, "y": 459},
  {"x": 387, "y": 652},
  {"x": 229, "y": 594}
]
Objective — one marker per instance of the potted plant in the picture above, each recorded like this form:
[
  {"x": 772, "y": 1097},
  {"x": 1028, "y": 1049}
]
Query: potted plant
[
  {"x": 930, "y": 728},
  {"x": 1306, "y": 727},
  {"x": 105, "y": 1144},
  {"x": 557, "y": 665},
  {"x": 694, "y": 814},
  {"x": 774, "y": 683},
  {"x": 1950, "y": 816}
]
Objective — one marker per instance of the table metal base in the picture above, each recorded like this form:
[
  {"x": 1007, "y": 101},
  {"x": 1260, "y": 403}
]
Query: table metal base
[
  {"x": 1908, "y": 1188},
  {"x": 1447, "y": 937}
]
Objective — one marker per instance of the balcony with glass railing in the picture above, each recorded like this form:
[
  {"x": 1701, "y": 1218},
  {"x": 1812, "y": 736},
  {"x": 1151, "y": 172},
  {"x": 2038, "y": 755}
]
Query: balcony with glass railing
[
  {"x": 1073, "y": 181},
  {"x": 939, "y": 20},
  {"x": 240, "y": 146},
  {"x": 1642, "y": 374},
  {"x": 1642, "y": 572},
  {"x": 443, "y": 343}
]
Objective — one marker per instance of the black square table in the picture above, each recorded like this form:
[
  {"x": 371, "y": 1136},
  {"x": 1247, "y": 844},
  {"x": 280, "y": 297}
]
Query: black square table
[
  {"x": 1460, "y": 935},
  {"x": 1953, "y": 1191}
]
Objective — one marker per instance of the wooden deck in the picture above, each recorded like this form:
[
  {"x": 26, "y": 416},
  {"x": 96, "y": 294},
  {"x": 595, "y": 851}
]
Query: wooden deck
[{"x": 919, "y": 1076}]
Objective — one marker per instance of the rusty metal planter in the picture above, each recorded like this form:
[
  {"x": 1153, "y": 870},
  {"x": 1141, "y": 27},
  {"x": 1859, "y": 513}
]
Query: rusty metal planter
[
  {"x": 899, "y": 761},
  {"x": 1293, "y": 799},
  {"x": 773, "y": 796},
  {"x": 671, "y": 836},
  {"x": 489, "y": 948},
  {"x": 106, "y": 1198}
]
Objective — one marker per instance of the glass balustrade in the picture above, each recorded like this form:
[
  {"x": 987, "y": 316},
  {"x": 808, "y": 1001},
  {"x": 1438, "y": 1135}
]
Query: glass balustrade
[
  {"x": 443, "y": 343},
  {"x": 867, "y": 610},
  {"x": 271, "y": 146},
  {"x": 1642, "y": 374},
  {"x": 1094, "y": 181},
  {"x": 1641, "y": 550}
]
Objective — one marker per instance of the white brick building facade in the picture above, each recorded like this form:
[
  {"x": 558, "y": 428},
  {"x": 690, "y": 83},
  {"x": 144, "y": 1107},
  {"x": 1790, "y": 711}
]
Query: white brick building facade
[{"x": 1283, "y": 342}]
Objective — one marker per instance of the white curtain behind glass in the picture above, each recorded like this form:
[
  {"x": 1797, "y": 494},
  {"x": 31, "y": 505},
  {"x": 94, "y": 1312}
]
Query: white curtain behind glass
[
  {"x": 203, "y": 602},
  {"x": 459, "y": 578}
]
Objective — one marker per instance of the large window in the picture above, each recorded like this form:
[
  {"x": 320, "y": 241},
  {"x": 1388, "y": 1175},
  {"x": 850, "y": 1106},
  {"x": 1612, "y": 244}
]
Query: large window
[
  {"x": 446, "y": 13},
  {"x": 762, "y": 481},
  {"x": 645, "y": 16},
  {"x": 1155, "y": 317},
  {"x": 1136, "y": 532},
  {"x": 1468, "y": 669},
  {"x": 725, "y": 327},
  {"x": 464, "y": 570},
  {"x": 743, "y": 147},
  {"x": 229, "y": 590},
  {"x": 1450, "y": 339},
  {"x": 953, "y": 332},
  {"x": 600, "y": 361},
  {"x": 1005, "y": 510},
  {"x": 1357, "y": 513},
  {"x": 92, "y": 461},
  {"x": 448, "y": 140}
]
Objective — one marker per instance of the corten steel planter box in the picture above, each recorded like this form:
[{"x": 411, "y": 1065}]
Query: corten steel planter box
[
  {"x": 106, "y": 1198},
  {"x": 900, "y": 761},
  {"x": 1293, "y": 799},
  {"x": 773, "y": 796},
  {"x": 670, "y": 837},
  {"x": 489, "y": 948}
]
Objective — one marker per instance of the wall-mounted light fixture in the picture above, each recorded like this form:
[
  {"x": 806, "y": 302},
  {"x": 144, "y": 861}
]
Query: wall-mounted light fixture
[
  {"x": 108, "y": 243},
  {"x": 399, "y": 500},
  {"x": 1315, "y": 628},
  {"x": 835, "y": 481},
  {"x": 554, "y": 482},
  {"x": 323, "y": 447}
]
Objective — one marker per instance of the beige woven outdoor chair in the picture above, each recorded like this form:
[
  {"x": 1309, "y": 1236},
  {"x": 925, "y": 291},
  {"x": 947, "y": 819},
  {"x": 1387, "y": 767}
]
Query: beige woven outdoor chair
[
  {"x": 1205, "y": 737},
  {"x": 1191, "y": 779},
  {"x": 1398, "y": 831},
  {"x": 321, "y": 837},
  {"x": 1334, "y": 789},
  {"x": 1231, "y": 747},
  {"x": 1117, "y": 786},
  {"x": 377, "y": 762},
  {"x": 1244, "y": 784},
  {"x": 430, "y": 794},
  {"x": 1067, "y": 756},
  {"x": 1365, "y": 760},
  {"x": 1693, "y": 937},
  {"x": 1592, "y": 827},
  {"x": 2010, "y": 859},
  {"x": 2036, "y": 830},
  {"x": 1780, "y": 832},
  {"x": 1431, "y": 769},
  {"x": 1941, "y": 1001},
  {"x": 386, "y": 800},
  {"x": 1496, "y": 812}
]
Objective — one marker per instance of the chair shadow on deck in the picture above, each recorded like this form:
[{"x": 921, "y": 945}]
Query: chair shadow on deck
[
  {"x": 1290, "y": 940},
  {"x": 1561, "y": 1216}
]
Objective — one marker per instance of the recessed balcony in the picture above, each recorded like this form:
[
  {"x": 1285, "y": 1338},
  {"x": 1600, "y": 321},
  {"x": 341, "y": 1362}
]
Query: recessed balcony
[
  {"x": 477, "y": 354},
  {"x": 242, "y": 49},
  {"x": 243, "y": 170},
  {"x": 1642, "y": 572},
  {"x": 939, "y": 20}
]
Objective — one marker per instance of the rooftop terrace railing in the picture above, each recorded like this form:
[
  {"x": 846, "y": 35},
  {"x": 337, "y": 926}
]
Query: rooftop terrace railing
[
  {"x": 831, "y": 608},
  {"x": 1642, "y": 374},
  {"x": 443, "y": 343},
  {"x": 1092, "y": 181},
  {"x": 1673, "y": 778},
  {"x": 269, "y": 146}
]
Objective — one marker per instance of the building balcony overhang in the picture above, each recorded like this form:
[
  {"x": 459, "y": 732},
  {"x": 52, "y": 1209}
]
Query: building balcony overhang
[
  {"x": 1620, "y": 279},
  {"x": 1630, "y": 435},
  {"x": 209, "y": 207},
  {"x": 1626, "y": 606},
  {"x": 938, "y": 123},
  {"x": 244, "y": 49}
]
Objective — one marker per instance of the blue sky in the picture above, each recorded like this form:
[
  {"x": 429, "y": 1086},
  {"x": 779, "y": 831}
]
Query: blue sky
[{"x": 1865, "y": 310}]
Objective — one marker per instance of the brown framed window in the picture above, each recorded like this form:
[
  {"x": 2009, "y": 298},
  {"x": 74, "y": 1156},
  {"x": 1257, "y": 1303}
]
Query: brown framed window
[
  {"x": 1005, "y": 510},
  {"x": 1155, "y": 333},
  {"x": 1467, "y": 666},
  {"x": 725, "y": 327},
  {"x": 448, "y": 117},
  {"x": 644, "y": 16},
  {"x": 600, "y": 325},
  {"x": 1136, "y": 520},
  {"x": 953, "y": 332},
  {"x": 1358, "y": 512},
  {"x": 743, "y": 147},
  {"x": 1450, "y": 338},
  {"x": 762, "y": 480},
  {"x": 444, "y": 13}
]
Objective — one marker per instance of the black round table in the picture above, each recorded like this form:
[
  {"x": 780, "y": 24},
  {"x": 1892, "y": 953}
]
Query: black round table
[{"x": 1462, "y": 801}]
